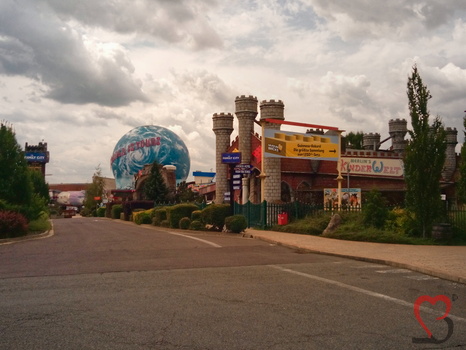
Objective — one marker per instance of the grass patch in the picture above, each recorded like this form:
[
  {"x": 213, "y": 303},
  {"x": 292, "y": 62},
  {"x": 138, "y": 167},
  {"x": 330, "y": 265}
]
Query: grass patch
[
  {"x": 42, "y": 224},
  {"x": 352, "y": 228}
]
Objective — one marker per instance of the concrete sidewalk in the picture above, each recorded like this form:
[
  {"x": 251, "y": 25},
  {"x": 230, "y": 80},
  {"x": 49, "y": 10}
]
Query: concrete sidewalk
[{"x": 439, "y": 261}]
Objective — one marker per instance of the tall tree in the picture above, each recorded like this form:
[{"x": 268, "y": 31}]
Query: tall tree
[
  {"x": 94, "y": 191},
  {"x": 155, "y": 187},
  {"x": 39, "y": 186},
  {"x": 354, "y": 140},
  {"x": 15, "y": 183},
  {"x": 424, "y": 157},
  {"x": 462, "y": 180}
]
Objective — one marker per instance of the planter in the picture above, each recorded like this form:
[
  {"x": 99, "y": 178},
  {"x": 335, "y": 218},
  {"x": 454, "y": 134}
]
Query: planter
[{"x": 441, "y": 231}]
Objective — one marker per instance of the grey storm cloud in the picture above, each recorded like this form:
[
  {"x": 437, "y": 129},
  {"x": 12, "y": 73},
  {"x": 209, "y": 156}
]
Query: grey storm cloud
[
  {"x": 171, "y": 21},
  {"x": 37, "y": 44}
]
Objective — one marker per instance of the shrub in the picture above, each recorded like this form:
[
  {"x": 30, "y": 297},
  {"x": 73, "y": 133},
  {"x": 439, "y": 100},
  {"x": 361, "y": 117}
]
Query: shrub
[
  {"x": 12, "y": 224},
  {"x": 184, "y": 223},
  {"x": 101, "y": 212},
  {"x": 165, "y": 223},
  {"x": 117, "y": 209},
  {"x": 159, "y": 215},
  {"x": 196, "y": 225},
  {"x": 141, "y": 216},
  {"x": 177, "y": 212},
  {"x": 215, "y": 215},
  {"x": 130, "y": 206},
  {"x": 196, "y": 215},
  {"x": 236, "y": 223},
  {"x": 41, "y": 224},
  {"x": 375, "y": 210}
]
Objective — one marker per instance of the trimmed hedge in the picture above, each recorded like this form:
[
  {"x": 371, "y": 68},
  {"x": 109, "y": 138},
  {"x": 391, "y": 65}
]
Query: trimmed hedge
[
  {"x": 196, "y": 215},
  {"x": 236, "y": 223},
  {"x": 215, "y": 215},
  {"x": 130, "y": 206},
  {"x": 101, "y": 212},
  {"x": 185, "y": 223},
  {"x": 12, "y": 224},
  {"x": 117, "y": 209},
  {"x": 142, "y": 216},
  {"x": 177, "y": 212},
  {"x": 196, "y": 225},
  {"x": 158, "y": 216}
]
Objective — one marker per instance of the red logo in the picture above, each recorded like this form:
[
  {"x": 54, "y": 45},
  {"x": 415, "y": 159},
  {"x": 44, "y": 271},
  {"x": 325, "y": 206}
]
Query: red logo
[{"x": 417, "y": 312}]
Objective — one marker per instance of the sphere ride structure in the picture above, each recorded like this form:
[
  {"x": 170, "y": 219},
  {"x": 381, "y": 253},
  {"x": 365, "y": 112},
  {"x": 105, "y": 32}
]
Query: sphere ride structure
[{"x": 142, "y": 146}]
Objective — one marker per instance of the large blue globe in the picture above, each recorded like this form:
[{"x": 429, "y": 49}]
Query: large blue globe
[{"x": 144, "y": 145}]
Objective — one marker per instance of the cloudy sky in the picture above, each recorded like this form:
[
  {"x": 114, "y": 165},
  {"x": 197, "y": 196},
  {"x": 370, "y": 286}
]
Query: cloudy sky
[{"x": 80, "y": 74}]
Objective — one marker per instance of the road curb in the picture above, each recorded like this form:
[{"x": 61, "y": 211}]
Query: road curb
[
  {"x": 426, "y": 271},
  {"x": 42, "y": 235}
]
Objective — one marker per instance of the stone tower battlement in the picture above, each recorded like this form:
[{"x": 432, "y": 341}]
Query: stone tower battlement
[
  {"x": 371, "y": 141},
  {"x": 397, "y": 129},
  {"x": 222, "y": 127},
  {"x": 272, "y": 109}
]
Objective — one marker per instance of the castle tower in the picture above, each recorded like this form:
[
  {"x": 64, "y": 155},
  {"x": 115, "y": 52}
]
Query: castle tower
[
  {"x": 37, "y": 156},
  {"x": 371, "y": 142},
  {"x": 397, "y": 128},
  {"x": 272, "y": 166},
  {"x": 246, "y": 112},
  {"x": 450, "y": 160},
  {"x": 222, "y": 127}
]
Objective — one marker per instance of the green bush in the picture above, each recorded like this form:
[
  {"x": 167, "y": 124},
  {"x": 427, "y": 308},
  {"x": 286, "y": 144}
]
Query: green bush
[
  {"x": 141, "y": 216},
  {"x": 41, "y": 224},
  {"x": 375, "y": 210},
  {"x": 196, "y": 215},
  {"x": 165, "y": 223},
  {"x": 12, "y": 224},
  {"x": 179, "y": 211},
  {"x": 184, "y": 223},
  {"x": 159, "y": 215},
  {"x": 101, "y": 212},
  {"x": 117, "y": 209},
  {"x": 196, "y": 225},
  {"x": 215, "y": 215},
  {"x": 236, "y": 223}
]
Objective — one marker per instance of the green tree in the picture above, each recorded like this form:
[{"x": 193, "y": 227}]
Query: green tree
[
  {"x": 39, "y": 186},
  {"x": 94, "y": 190},
  {"x": 354, "y": 140},
  {"x": 15, "y": 182},
  {"x": 185, "y": 194},
  {"x": 155, "y": 187},
  {"x": 462, "y": 180},
  {"x": 424, "y": 157}
]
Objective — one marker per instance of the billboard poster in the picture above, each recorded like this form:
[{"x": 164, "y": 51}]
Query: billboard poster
[
  {"x": 283, "y": 144},
  {"x": 350, "y": 197},
  {"x": 372, "y": 166}
]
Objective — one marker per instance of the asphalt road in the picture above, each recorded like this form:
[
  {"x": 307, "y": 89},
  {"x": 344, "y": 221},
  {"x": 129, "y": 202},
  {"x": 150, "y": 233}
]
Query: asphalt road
[{"x": 103, "y": 284}]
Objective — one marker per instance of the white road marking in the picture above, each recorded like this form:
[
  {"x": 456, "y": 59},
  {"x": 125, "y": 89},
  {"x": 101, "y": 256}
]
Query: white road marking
[
  {"x": 395, "y": 271},
  {"x": 195, "y": 238},
  {"x": 422, "y": 277},
  {"x": 366, "y": 292}
]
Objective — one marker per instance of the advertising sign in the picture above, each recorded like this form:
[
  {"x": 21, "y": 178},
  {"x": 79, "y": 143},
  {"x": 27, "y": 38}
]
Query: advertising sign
[
  {"x": 283, "y": 144},
  {"x": 349, "y": 197},
  {"x": 231, "y": 158},
  {"x": 39, "y": 157},
  {"x": 372, "y": 166}
]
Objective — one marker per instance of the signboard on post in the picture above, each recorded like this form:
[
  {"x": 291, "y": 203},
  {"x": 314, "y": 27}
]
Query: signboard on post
[
  {"x": 231, "y": 158},
  {"x": 283, "y": 144},
  {"x": 243, "y": 169}
]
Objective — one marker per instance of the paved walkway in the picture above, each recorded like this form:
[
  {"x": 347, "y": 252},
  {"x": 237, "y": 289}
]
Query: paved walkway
[{"x": 439, "y": 261}]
